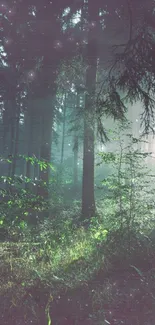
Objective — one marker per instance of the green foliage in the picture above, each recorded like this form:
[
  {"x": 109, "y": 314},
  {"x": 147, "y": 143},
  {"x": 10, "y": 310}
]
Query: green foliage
[
  {"x": 130, "y": 185},
  {"x": 108, "y": 157},
  {"x": 43, "y": 165},
  {"x": 97, "y": 230},
  {"x": 19, "y": 204},
  {"x": 61, "y": 254}
]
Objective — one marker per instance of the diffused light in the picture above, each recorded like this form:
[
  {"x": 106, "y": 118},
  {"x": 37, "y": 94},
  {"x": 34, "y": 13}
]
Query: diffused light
[
  {"x": 31, "y": 75},
  {"x": 11, "y": 12},
  {"x": 57, "y": 45}
]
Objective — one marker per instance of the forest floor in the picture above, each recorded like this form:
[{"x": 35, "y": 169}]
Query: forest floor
[{"x": 95, "y": 283}]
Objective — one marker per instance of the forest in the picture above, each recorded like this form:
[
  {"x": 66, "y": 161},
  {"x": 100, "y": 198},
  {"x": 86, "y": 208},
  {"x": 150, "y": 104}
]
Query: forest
[{"x": 77, "y": 162}]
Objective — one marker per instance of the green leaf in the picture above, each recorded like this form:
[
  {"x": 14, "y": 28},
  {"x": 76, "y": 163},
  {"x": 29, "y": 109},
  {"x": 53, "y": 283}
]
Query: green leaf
[
  {"x": 23, "y": 224},
  {"x": 97, "y": 235},
  {"x": 105, "y": 232},
  {"x": 23, "y": 284}
]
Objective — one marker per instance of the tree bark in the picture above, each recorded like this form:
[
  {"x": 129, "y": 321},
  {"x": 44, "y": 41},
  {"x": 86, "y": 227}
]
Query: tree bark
[
  {"x": 29, "y": 134},
  {"x": 63, "y": 130},
  {"x": 46, "y": 142},
  {"x": 14, "y": 160},
  {"x": 88, "y": 200},
  {"x": 12, "y": 135},
  {"x": 76, "y": 149}
]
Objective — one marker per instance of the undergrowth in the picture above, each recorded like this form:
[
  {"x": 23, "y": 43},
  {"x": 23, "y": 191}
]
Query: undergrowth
[{"x": 101, "y": 273}]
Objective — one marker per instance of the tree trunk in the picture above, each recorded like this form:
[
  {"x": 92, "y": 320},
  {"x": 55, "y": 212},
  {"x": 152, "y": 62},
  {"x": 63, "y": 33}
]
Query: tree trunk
[
  {"x": 6, "y": 125},
  {"x": 46, "y": 141},
  {"x": 12, "y": 135},
  {"x": 76, "y": 149},
  {"x": 88, "y": 200},
  {"x": 63, "y": 130},
  {"x": 14, "y": 160},
  {"x": 29, "y": 131}
]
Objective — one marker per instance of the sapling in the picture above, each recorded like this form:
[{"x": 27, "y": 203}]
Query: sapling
[{"x": 129, "y": 184}]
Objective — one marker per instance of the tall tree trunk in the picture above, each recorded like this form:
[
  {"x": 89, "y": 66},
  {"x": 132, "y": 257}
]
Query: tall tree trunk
[
  {"x": 88, "y": 200},
  {"x": 37, "y": 138},
  {"x": 29, "y": 134},
  {"x": 14, "y": 160},
  {"x": 6, "y": 125},
  {"x": 46, "y": 141},
  {"x": 12, "y": 138},
  {"x": 63, "y": 130},
  {"x": 76, "y": 149},
  {"x": 12, "y": 135}
]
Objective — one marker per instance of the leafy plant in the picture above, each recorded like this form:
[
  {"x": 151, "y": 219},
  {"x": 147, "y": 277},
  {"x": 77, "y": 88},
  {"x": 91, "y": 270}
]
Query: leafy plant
[
  {"x": 21, "y": 205},
  {"x": 130, "y": 185}
]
